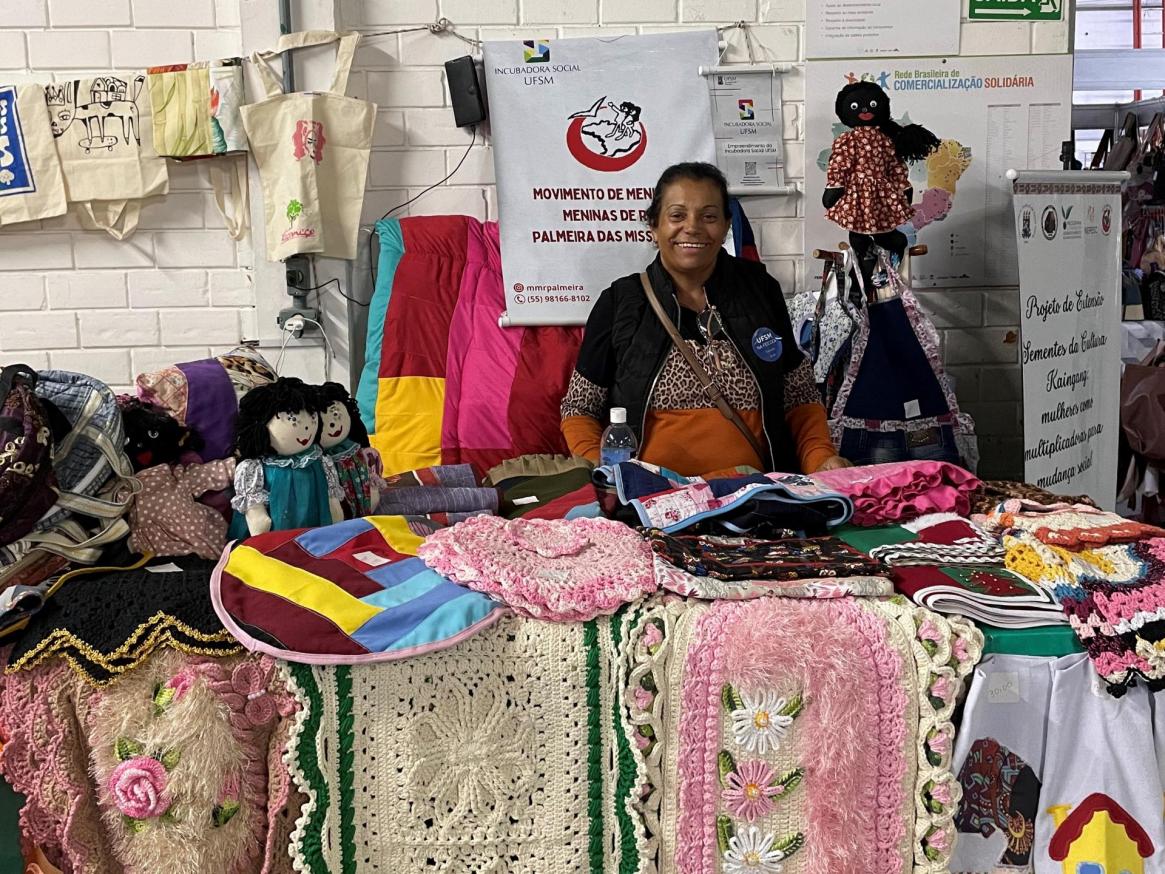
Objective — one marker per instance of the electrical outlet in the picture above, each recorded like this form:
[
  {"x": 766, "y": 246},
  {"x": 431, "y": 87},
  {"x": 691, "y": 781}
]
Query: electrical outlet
[{"x": 305, "y": 312}]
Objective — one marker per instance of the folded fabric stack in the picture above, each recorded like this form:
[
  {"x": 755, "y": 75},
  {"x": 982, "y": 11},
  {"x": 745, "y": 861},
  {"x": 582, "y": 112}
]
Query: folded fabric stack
[
  {"x": 887, "y": 493},
  {"x": 450, "y": 489},
  {"x": 545, "y": 487},
  {"x": 1073, "y": 526}
]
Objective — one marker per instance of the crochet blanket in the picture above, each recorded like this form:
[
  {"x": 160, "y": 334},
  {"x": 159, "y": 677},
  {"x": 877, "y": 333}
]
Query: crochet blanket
[
  {"x": 177, "y": 767},
  {"x": 505, "y": 753},
  {"x": 554, "y": 748},
  {"x": 805, "y": 758}
]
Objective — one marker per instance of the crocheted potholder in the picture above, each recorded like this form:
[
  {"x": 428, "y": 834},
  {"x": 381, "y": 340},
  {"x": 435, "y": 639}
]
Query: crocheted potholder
[{"x": 545, "y": 568}]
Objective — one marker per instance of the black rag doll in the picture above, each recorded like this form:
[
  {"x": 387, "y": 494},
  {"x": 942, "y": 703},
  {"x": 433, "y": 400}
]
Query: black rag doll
[
  {"x": 344, "y": 439},
  {"x": 867, "y": 183},
  {"x": 153, "y": 436}
]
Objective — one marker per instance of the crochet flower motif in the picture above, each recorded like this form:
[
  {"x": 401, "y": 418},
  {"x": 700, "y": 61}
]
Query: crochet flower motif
[
  {"x": 751, "y": 788},
  {"x": 751, "y": 851},
  {"x": 249, "y": 699},
  {"x": 138, "y": 788},
  {"x": 1153, "y": 653},
  {"x": 760, "y": 722},
  {"x": 475, "y": 760}
]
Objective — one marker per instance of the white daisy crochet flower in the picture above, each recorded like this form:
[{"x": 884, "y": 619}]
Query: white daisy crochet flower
[
  {"x": 758, "y": 726},
  {"x": 752, "y": 851}
]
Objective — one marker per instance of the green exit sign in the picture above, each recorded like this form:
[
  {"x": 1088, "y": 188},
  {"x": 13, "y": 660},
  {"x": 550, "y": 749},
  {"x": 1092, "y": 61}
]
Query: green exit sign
[{"x": 1017, "y": 10}]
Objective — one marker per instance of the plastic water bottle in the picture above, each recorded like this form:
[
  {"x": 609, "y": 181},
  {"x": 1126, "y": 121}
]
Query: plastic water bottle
[{"x": 619, "y": 442}]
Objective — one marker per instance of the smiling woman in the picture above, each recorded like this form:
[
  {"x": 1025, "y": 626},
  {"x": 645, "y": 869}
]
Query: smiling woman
[{"x": 721, "y": 315}]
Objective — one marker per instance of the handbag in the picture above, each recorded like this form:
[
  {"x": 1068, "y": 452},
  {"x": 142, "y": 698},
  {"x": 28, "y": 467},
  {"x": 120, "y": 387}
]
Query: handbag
[
  {"x": 31, "y": 184},
  {"x": 104, "y": 137},
  {"x": 312, "y": 150},
  {"x": 707, "y": 384},
  {"x": 1142, "y": 405}
]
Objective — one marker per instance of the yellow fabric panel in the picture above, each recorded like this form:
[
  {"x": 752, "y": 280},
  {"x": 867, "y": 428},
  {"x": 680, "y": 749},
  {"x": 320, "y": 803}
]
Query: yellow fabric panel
[
  {"x": 297, "y": 585},
  {"x": 409, "y": 411},
  {"x": 395, "y": 531}
]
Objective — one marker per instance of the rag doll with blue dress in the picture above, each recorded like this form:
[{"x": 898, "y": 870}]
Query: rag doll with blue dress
[{"x": 283, "y": 479}]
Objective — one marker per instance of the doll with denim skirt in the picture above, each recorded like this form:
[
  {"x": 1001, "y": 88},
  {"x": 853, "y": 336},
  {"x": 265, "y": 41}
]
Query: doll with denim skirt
[{"x": 283, "y": 479}]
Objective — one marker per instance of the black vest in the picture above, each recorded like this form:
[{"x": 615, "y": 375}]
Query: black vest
[{"x": 747, "y": 299}]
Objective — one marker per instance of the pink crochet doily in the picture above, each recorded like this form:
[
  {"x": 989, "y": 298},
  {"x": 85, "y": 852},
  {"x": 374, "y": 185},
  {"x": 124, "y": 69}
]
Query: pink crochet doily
[{"x": 545, "y": 568}]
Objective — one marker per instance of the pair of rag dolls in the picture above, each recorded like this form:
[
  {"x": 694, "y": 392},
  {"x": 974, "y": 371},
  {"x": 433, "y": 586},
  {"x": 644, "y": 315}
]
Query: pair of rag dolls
[{"x": 304, "y": 459}]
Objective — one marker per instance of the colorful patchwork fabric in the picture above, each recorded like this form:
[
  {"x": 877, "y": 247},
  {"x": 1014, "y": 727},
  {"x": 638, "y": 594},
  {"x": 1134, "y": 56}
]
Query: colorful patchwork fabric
[
  {"x": 505, "y": 753},
  {"x": 184, "y": 751},
  {"x": 1073, "y": 526},
  {"x": 992, "y": 493},
  {"x": 547, "y": 569},
  {"x": 671, "y": 503},
  {"x": 567, "y": 495},
  {"x": 105, "y": 623},
  {"x": 441, "y": 384},
  {"x": 345, "y": 593},
  {"x": 756, "y": 775},
  {"x": 745, "y": 558},
  {"x": 887, "y": 493},
  {"x": 942, "y": 539}
]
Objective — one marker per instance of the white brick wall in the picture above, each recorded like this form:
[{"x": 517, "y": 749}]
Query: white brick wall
[
  {"x": 417, "y": 143},
  {"x": 78, "y": 299}
]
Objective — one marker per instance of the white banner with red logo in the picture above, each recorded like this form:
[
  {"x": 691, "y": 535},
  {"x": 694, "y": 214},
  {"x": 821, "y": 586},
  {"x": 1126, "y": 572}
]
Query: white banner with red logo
[
  {"x": 581, "y": 129},
  {"x": 1068, "y": 230}
]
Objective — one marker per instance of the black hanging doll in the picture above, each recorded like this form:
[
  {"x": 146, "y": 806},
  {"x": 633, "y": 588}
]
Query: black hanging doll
[{"x": 867, "y": 183}]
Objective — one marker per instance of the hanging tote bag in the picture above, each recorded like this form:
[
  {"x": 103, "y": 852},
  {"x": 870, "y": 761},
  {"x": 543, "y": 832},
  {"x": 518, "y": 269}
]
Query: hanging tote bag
[
  {"x": 312, "y": 151},
  {"x": 896, "y": 402},
  {"x": 196, "y": 111},
  {"x": 105, "y": 140},
  {"x": 31, "y": 185}
]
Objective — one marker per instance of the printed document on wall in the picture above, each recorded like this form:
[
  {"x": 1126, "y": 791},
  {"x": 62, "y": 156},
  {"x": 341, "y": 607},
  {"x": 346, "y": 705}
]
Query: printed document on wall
[
  {"x": 582, "y": 128},
  {"x": 864, "y": 28},
  {"x": 992, "y": 114}
]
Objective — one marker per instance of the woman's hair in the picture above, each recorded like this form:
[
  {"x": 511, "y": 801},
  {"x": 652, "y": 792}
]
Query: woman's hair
[
  {"x": 333, "y": 392},
  {"x": 697, "y": 171},
  {"x": 263, "y": 403}
]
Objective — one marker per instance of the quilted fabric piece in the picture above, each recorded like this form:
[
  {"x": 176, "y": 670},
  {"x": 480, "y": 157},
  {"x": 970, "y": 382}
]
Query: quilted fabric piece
[
  {"x": 503, "y": 754},
  {"x": 746, "y": 558},
  {"x": 1072, "y": 526},
  {"x": 546, "y": 568},
  {"x": 178, "y": 767},
  {"x": 756, "y": 767},
  {"x": 344, "y": 593}
]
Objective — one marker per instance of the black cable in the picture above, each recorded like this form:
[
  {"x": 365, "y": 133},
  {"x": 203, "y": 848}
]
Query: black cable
[
  {"x": 339, "y": 290},
  {"x": 448, "y": 176}
]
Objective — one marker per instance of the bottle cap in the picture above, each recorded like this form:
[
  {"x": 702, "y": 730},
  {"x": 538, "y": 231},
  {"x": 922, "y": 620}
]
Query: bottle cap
[{"x": 618, "y": 416}]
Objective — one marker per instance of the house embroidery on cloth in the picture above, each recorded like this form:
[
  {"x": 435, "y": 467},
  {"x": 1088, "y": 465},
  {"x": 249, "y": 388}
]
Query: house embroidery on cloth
[{"x": 1098, "y": 837}]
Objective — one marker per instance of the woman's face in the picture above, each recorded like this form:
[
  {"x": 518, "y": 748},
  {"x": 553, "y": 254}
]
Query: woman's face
[{"x": 692, "y": 225}]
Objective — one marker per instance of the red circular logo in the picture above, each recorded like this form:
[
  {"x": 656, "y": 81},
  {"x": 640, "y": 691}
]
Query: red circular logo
[{"x": 595, "y": 161}]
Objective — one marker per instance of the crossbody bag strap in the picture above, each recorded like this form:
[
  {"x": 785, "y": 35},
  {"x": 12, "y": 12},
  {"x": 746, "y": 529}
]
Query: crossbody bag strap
[{"x": 707, "y": 384}]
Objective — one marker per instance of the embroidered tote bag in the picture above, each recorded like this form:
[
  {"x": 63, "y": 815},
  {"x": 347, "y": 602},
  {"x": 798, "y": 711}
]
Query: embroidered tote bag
[
  {"x": 31, "y": 185},
  {"x": 312, "y": 151},
  {"x": 105, "y": 140},
  {"x": 196, "y": 111}
]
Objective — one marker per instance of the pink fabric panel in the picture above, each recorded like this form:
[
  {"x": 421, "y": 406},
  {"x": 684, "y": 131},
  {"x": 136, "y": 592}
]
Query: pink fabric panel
[{"x": 482, "y": 358}]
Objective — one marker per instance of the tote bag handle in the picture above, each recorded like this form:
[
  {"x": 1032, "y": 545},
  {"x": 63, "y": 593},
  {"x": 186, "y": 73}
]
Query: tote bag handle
[
  {"x": 231, "y": 189},
  {"x": 272, "y": 84},
  {"x": 118, "y": 218}
]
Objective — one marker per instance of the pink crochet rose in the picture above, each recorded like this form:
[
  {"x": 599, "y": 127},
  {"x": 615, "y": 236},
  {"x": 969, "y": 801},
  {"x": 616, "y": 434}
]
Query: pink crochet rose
[
  {"x": 750, "y": 790},
  {"x": 939, "y": 840},
  {"x": 138, "y": 788},
  {"x": 181, "y": 683},
  {"x": 940, "y": 743},
  {"x": 641, "y": 741},
  {"x": 960, "y": 650},
  {"x": 652, "y": 636},
  {"x": 941, "y": 792},
  {"x": 942, "y": 688},
  {"x": 929, "y": 631},
  {"x": 643, "y": 698}
]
